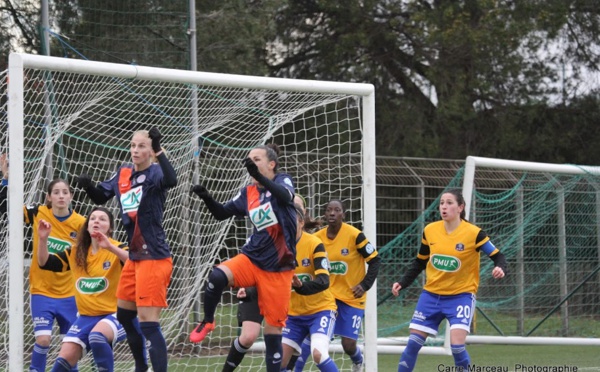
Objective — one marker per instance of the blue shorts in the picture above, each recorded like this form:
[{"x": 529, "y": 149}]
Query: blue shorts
[
  {"x": 299, "y": 326},
  {"x": 349, "y": 320},
  {"x": 44, "y": 310},
  {"x": 432, "y": 309},
  {"x": 79, "y": 332}
]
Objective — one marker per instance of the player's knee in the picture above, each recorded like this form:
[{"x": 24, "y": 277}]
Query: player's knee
[
  {"x": 319, "y": 348},
  {"x": 349, "y": 345},
  {"x": 248, "y": 339},
  {"x": 217, "y": 281},
  {"x": 43, "y": 341}
]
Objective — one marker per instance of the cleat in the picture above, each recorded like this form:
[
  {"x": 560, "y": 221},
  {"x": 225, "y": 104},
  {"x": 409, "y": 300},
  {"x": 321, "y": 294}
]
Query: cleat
[
  {"x": 357, "y": 367},
  {"x": 201, "y": 331}
]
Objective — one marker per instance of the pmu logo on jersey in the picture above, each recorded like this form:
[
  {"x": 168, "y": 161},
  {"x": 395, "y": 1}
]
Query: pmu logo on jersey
[
  {"x": 131, "y": 200},
  {"x": 57, "y": 245},
  {"x": 445, "y": 263},
  {"x": 304, "y": 277},
  {"x": 338, "y": 267},
  {"x": 91, "y": 285},
  {"x": 460, "y": 247},
  {"x": 263, "y": 216}
]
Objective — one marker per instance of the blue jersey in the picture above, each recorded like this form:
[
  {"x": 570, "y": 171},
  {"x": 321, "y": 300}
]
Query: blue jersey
[
  {"x": 142, "y": 198},
  {"x": 272, "y": 245}
]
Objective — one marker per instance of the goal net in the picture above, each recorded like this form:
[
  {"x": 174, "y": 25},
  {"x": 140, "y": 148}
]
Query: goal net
[
  {"x": 544, "y": 218},
  {"x": 66, "y": 117}
]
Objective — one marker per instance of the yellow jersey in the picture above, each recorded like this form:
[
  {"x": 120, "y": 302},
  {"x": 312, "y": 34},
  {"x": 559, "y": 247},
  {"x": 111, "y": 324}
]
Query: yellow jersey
[
  {"x": 348, "y": 252},
  {"x": 312, "y": 261},
  {"x": 62, "y": 236}
]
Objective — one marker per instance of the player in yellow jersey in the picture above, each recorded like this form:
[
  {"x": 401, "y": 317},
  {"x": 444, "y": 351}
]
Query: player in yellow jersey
[
  {"x": 348, "y": 250},
  {"x": 52, "y": 294},
  {"x": 449, "y": 254},
  {"x": 312, "y": 306},
  {"x": 95, "y": 262}
]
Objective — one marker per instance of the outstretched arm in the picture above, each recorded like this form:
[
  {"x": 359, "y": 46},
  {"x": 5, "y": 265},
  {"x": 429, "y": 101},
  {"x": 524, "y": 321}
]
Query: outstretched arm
[
  {"x": 279, "y": 192},
  {"x": 214, "y": 207},
  {"x": 85, "y": 182}
]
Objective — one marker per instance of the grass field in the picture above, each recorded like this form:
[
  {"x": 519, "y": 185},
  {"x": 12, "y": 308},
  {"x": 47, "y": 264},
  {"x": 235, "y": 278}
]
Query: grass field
[{"x": 505, "y": 358}]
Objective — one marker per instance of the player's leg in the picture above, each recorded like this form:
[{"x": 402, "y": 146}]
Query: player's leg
[
  {"x": 127, "y": 316},
  {"x": 152, "y": 280},
  {"x": 66, "y": 315},
  {"x": 321, "y": 331},
  {"x": 273, "y": 299},
  {"x": 103, "y": 337},
  {"x": 250, "y": 321},
  {"x": 347, "y": 325},
  {"x": 425, "y": 321},
  {"x": 459, "y": 312},
  {"x": 74, "y": 342},
  {"x": 237, "y": 272},
  {"x": 297, "y": 363},
  {"x": 42, "y": 315}
]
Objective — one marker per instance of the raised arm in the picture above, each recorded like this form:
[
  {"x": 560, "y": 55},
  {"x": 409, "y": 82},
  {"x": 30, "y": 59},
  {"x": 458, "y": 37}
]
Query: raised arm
[
  {"x": 105, "y": 243},
  {"x": 44, "y": 229},
  {"x": 214, "y": 207}
]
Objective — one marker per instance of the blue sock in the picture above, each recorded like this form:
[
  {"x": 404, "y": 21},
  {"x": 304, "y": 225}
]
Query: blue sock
[
  {"x": 61, "y": 365},
  {"x": 409, "y": 356},
  {"x": 38, "y": 358},
  {"x": 157, "y": 346},
  {"x": 102, "y": 352},
  {"x": 135, "y": 338},
  {"x": 327, "y": 366},
  {"x": 461, "y": 357},
  {"x": 273, "y": 352},
  {"x": 357, "y": 358},
  {"x": 217, "y": 281},
  {"x": 304, "y": 355}
]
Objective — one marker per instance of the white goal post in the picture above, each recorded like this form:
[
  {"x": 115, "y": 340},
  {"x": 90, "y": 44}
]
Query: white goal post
[{"x": 66, "y": 116}]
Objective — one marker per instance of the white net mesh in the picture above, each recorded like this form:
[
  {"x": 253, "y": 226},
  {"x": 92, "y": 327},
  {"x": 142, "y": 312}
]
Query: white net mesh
[{"x": 76, "y": 123}]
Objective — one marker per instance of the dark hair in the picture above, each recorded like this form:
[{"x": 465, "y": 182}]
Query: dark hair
[
  {"x": 336, "y": 201},
  {"x": 460, "y": 200},
  {"x": 273, "y": 152},
  {"x": 84, "y": 239},
  {"x": 300, "y": 212},
  {"x": 50, "y": 187}
]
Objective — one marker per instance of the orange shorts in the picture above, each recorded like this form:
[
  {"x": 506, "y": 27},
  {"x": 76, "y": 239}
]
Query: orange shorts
[
  {"x": 274, "y": 288},
  {"x": 145, "y": 282}
]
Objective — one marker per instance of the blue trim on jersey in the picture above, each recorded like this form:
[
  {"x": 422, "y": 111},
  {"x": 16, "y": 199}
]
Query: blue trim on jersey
[{"x": 488, "y": 248}]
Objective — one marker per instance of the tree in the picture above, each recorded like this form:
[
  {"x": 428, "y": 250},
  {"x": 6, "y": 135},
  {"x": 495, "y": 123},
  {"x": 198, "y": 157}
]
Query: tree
[{"x": 447, "y": 73}]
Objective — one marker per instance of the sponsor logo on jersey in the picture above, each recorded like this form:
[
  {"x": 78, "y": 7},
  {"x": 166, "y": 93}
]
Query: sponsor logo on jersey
[
  {"x": 263, "y": 216},
  {"x": 304, "y": 277},
  {"x": 131, "y": 199},
  {"x": 56, "y": 245},
  {"x": 460, "y": 247},
  {"x": 91, "y": 285},
  {"x": 338, "y": 268},
  {"x": 445, "y": 263}
]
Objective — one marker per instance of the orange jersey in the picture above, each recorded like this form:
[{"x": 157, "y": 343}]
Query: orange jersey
[
  {"x": 62, "y": 236},
  {"x": 348, "y": 252},
  {"x": 309, "y": 248},
  {"x": 454, "y": 258}
]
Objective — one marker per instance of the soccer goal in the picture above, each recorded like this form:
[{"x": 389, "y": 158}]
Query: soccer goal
[{"x": 65, "y": 117}]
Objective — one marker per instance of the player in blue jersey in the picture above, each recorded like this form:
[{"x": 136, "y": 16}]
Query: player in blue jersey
[
  {"x": 450, "y": 255},
  {"x": 268, "y": 258},
  {"x": 141, "y": 189}
]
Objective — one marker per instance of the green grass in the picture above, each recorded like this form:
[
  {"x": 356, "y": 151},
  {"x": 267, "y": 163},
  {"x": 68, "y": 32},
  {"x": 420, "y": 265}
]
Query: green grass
[{"x": 584, "y": 358}]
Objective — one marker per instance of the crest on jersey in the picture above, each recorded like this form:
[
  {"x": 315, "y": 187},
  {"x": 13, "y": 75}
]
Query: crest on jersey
[
  {"x": 106, "y": 265},
  {"x": 73, "y": 235},
  {"x": 345, "y": 251},
  {"x": 460, "y": 247},
  {"x": 305, "y": 262}
]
